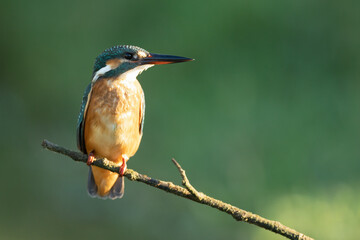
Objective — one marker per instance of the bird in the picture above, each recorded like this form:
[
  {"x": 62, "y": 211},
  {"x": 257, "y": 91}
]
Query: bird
[{"x": 111, "y": 119}]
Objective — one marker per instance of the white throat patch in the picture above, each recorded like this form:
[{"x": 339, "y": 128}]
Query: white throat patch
[
  {"x": 133, "y": 73},
  {"x": 128, "y": 75}
]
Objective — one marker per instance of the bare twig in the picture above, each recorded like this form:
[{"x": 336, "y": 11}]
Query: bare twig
[
  {"x": 190, "y": 192},
  {"x": 186, "y": 182}
]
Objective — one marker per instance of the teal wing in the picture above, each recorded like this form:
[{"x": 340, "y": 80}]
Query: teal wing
[
  {"x": 80, "y": 139},
  {"x": 142, "y": 114}
]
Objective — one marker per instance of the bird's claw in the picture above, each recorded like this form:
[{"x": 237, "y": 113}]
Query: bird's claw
[
  {"x": 123, "y": 168},
  {"x": 90, "y": 159}
]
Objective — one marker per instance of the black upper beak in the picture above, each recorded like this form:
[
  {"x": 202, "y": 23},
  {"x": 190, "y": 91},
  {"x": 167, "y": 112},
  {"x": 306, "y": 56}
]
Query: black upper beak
[{"x": 154, "y": 58}]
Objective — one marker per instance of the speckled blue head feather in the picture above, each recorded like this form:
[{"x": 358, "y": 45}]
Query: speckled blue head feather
[
  {"x": 129, "y": 60},
  {"x": 114, "y": 52}
]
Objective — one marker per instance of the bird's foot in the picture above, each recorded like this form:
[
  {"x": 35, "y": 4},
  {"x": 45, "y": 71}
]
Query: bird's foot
[
  {"x": 123, "y": 166},
  {"x": 122, "y": 169},
  {"x": 90, "y": 159}
]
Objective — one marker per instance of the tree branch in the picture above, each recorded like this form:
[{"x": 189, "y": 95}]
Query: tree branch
[{"x": 188, "y": 192}]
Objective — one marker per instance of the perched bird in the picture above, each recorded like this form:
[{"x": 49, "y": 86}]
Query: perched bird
[{"x": 111, "y": 119}]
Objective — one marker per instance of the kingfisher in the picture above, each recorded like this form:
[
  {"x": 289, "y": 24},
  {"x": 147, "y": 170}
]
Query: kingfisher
[{"x": 111, "y": 119}]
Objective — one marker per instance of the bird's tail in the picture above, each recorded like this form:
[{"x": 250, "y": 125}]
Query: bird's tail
[{"x": 108, "y": 184}]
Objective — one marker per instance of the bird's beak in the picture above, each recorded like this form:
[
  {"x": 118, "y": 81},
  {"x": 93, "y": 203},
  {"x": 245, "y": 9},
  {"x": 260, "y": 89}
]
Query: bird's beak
[{"x": 154, "y": 58}]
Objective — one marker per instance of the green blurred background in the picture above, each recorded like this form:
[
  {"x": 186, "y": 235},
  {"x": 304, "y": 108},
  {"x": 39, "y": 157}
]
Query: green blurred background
[{"x": 266, "y": 118}]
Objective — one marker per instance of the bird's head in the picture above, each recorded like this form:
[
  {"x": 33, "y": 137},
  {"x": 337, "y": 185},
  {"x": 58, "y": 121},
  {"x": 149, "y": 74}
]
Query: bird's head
[{"x": 129, "y": 61}]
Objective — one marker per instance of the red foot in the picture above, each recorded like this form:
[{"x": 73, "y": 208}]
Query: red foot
[
  {"x": 90, "y": 159},
  {"x": 123, "y": 168}
]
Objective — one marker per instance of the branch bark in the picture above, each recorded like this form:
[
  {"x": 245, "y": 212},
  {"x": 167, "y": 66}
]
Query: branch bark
[{"x": 188, "y": 192}]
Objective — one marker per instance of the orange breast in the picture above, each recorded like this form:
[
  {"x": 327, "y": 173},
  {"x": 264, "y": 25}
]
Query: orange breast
[{"x": 113, "y": 118}]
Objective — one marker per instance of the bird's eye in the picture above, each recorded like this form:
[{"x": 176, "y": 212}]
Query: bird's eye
[
  {"x": 135, "y": 57},
  {"x": 128, "y": 56}
]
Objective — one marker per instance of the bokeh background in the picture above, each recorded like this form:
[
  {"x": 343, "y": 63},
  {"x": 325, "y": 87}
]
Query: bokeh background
[{"x": 266, "y": 118}]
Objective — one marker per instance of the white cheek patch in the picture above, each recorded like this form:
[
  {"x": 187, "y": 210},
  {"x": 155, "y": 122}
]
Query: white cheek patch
[{"x": 101, "y": 72}]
